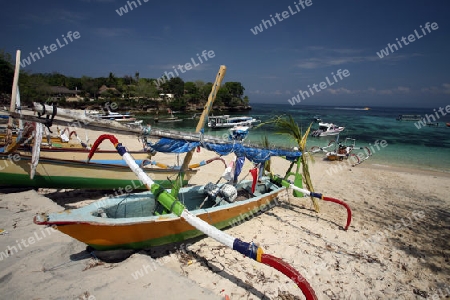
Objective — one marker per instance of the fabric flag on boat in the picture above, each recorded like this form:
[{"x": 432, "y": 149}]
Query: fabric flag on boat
[
  {"x": 261, "y": 170},
  {"x": 254, "y": 154},
  {"x": 229, "y": 171},
  {"x": 36, "y": 148},
  {"x": 166, "y": 145},
  {"x": 238, "y": 167},
  {"x": 254, "y": 173},
  {"x": 19, "y": 108},
  {"x": 64, "y": 136}
]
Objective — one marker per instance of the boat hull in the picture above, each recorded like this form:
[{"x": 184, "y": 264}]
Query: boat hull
[
  {"x": 81, "y": 154},
  {"x": 327, "y": 129},
  {"x": 58, "y": 173},
  {"x": 327, "y": 133},
  {"x": 145, "y": 232},
  {"x": 54, "y": 141},
  {"x": 226, "y": 121}
]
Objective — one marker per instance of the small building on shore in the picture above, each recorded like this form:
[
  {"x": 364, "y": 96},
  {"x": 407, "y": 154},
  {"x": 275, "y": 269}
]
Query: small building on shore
[{"x": 57, "y": 93}]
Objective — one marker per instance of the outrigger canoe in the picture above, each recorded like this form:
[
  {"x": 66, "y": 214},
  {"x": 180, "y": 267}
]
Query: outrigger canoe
[
  {"x": 138, "y": 221},
  {"x": 71, "y": 174},
  {"x": 81, "y": 154}
]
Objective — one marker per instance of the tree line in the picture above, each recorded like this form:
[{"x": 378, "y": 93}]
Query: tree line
[{"x": 131, "y": 92}]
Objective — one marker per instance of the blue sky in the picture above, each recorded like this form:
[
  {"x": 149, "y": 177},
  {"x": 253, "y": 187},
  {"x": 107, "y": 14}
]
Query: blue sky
[{"x": 273, "y": 65}]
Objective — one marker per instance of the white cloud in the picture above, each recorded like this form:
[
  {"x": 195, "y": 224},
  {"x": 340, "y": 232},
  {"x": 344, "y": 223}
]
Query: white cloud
[
  {"x": 313, "y": 63},
  {"x": 341, "y": 91},
  {"x": 257, "y": 92},
  {"x": 100, "y": 1},
  {"x": 169, "y": 67},
  {"x": 324, "y": 57},
  {"x": 111, "y": 32},
  {"x": 56, "y": 16},
  {"x": 443, "y": 89},
  {"x": 392, "y": 91},
  {"x": 370, "y": 90}
]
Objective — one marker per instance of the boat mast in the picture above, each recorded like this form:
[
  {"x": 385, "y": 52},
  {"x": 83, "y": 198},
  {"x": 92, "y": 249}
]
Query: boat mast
[{"x": 200, "y": 125}]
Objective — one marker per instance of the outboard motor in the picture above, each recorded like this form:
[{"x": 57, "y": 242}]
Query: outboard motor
[{"x": 227, "y": 192}]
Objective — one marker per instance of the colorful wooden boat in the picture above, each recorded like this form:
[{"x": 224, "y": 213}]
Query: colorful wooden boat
[
  {"x": 56, "y": 141},
  {"x": 65, "y": 139},
  {"x": 81, "y": 154},
  {"x": 70, "y": 174},
  {"x": 137, "y": 221}
]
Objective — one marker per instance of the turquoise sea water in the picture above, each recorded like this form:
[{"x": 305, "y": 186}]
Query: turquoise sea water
[{"x": 425, "y": 148}]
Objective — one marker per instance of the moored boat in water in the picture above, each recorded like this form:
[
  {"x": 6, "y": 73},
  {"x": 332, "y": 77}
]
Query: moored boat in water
[
  {"x": 409, "y": 118},
  {"x": 227, "y": 121},
  {"x": 238, "y": 133},
  {"x": 118, "y": 117},
  {"x": 326, "y": 129}
]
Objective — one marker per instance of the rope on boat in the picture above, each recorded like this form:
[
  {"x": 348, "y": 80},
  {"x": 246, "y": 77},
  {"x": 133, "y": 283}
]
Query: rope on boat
[
  {"x": 73, "y": 132},
  {"x": 205, "y": 162},
  {"x": 62, "y": 135},
  {"x": 66, "y": 138},
  {"x": 173, "y": 205},
  {"x": 21, "y": 137},
  {"x": 84, "y": 145}
]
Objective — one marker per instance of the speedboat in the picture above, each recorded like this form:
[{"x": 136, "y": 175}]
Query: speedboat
[
  {"x": 238, "y": 133},
  {"x": 115, "y": 116},
  {"x": 226, "y": 121},
  {"x": 326, "y": 129},
  {"x": 408, "y": 117}
]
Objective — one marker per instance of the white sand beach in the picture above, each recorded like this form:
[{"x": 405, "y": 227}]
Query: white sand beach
[{"x": 397, "y": 246}]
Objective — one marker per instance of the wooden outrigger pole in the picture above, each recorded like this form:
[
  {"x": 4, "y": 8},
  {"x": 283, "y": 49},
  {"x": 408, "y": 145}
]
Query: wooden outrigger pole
[{"x": 200, "y": 125}]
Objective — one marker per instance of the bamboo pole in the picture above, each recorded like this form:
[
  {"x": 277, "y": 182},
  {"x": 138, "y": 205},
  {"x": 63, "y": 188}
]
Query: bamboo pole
[
  {"x": 211, "y": 98},
  {"x": 12, "y": 107},
  {"x": 200, "y": 125}
]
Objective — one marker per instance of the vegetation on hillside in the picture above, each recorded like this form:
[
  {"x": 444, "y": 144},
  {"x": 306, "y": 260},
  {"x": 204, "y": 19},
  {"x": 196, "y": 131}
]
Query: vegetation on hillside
[{"x": 129, "y": 92}]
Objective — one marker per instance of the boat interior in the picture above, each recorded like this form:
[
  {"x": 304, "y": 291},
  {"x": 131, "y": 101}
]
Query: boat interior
[{"x": 193, "y": 198}]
